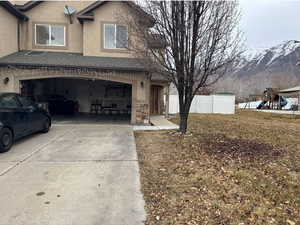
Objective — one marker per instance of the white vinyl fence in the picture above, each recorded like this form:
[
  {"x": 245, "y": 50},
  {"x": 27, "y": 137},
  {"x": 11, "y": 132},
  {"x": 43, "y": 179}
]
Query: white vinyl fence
[{"x": 223, "y": 104}]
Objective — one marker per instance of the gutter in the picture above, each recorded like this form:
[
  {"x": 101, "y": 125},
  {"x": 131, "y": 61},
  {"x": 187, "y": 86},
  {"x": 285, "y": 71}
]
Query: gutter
[
  {"x": 18, "y": 35},
  {"x": 13, "y": 10},
  {"x": 28, "y": 5},
  {"x": 67, "y": 67}
]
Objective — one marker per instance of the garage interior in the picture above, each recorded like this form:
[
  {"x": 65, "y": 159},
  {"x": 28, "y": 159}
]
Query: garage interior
[{"x": 81, "y": 100}]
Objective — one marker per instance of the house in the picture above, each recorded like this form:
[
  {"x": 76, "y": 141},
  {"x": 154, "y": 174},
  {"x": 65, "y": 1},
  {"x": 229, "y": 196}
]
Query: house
[{"x": 78, "y": 50}]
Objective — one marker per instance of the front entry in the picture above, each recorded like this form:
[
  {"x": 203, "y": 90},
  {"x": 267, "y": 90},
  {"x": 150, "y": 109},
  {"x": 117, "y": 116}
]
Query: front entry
[{"x": 156, "y": 100}]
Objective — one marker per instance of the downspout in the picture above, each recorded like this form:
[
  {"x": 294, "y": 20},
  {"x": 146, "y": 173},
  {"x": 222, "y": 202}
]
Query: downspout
[
  {"x": 18, "y": 33},
  {"x": 167, "y": 100}
]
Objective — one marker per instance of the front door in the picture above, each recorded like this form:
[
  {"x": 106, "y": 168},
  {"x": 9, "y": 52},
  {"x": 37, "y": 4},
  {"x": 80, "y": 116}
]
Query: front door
[{"x": 155, "y": 100}]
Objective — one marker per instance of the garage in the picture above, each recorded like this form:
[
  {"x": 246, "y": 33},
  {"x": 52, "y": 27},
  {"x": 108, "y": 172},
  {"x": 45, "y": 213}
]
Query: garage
[
  {"x": 81, "y": 99},
  {"x": 76, "y": 88}
]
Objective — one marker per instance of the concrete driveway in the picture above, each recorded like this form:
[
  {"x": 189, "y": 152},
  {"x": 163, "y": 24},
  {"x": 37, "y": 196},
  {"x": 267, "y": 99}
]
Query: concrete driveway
[{"x": 74, "y": 175}]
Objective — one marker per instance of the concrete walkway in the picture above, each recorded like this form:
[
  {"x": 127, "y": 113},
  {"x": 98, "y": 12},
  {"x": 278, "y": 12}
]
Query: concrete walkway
[
  {"x": 75, "y": 174},
  {"x": 158, "y": 123}
]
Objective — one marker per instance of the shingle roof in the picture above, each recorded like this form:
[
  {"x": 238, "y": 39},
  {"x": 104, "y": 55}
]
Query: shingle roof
[
  {"x": 13, "y": 10},
  {"x": 70, "y": 60},
  {"x": 86, "y": 13},
  {"x": 28, "y": 5}
]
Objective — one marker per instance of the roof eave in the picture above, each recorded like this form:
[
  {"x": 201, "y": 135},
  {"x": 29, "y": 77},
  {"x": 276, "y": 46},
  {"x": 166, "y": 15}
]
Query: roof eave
[
  {"x": 69, "y": 67},
  {"x": 13, "y": 10},
  {"x": 290, "y": 90},
  {"x": 82, "y": 18},
  {"x": 150, "y": 21},
  {"x": 28, "y": 5},
  {"x": 90, "y": 8}
]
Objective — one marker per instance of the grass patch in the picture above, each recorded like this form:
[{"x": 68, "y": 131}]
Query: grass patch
[{"x": 234, "y": 169}]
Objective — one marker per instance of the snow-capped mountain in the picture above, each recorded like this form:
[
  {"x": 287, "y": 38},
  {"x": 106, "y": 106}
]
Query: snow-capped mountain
[
  {"x": 282, "y": 58},
  {"x": 262, "y": 68}
]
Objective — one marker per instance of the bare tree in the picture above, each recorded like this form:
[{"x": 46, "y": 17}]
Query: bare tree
[{"x": 200, "y": 43}]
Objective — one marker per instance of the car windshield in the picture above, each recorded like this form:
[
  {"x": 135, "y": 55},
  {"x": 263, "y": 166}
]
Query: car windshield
[{"x": 8, "y": 101}]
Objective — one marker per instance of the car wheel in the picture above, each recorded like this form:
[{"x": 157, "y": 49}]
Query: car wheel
[
  {"x": 6, "y": 139},
  {"x": 46, "y": 126}
]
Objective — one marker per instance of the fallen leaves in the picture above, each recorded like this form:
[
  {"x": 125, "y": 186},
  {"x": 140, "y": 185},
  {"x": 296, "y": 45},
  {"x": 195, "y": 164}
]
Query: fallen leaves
[
  {"x": 238, "y": 149},
  {"x": 290, "y": 222}
]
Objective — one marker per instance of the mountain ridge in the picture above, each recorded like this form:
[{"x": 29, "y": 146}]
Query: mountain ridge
[
  {"x": 280, "y": 58},
  {"x": 259, "y": 69}
]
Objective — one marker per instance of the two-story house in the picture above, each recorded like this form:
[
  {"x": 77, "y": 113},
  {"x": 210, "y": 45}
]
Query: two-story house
[{"x": 78, "y": 50}]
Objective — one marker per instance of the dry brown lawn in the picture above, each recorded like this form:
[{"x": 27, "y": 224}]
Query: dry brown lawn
[{"x": 234, "y": 169}]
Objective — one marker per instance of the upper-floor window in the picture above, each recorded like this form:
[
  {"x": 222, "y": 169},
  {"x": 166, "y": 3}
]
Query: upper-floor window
[
  {"x": 50, "y": 35},
  {"x": 115, "y": 36}
]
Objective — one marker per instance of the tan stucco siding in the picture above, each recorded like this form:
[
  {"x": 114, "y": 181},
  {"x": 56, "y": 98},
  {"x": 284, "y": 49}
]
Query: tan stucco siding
[
  {"x": 86, "y": 38},
  {"x": 53, "y": 12},
  {"x": 8, "y": 33},
  {"x": 93, "y": 32}
]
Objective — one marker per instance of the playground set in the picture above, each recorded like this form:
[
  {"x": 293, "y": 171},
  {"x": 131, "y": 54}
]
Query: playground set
[{"x": 270, "y": 99}]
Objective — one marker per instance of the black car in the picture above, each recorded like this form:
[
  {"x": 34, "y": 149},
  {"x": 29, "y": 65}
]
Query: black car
[{"x": 19, "y": 117}]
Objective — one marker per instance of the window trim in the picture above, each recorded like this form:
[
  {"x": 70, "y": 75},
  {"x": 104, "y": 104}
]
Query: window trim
[
  {"x": 41, "y": 46},
  {"x": 102, "y": 38},
  {"x": 115, "y": 41},
  {"x": 50, "y": 32}
]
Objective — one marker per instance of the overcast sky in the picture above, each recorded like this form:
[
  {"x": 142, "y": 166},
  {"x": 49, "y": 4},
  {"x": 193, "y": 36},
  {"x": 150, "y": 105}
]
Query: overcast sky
[{"x": 266, "y": 23}]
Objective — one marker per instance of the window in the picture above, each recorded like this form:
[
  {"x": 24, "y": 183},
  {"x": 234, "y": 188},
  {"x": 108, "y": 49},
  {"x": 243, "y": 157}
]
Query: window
[
  {"x": 9, "y": 102},
  {"x": 115, "y": 36},
  {"x": 50, "y": 35}
]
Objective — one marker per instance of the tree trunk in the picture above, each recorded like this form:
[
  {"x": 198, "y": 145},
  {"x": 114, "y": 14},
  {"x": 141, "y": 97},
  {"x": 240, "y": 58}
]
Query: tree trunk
[
  {"x": 183, "y": 122},
  {"x": 184, "y": 109}
]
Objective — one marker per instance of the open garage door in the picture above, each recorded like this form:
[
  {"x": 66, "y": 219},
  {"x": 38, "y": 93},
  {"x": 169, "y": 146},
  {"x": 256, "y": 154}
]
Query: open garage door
[{"x": 81, "y": 100}]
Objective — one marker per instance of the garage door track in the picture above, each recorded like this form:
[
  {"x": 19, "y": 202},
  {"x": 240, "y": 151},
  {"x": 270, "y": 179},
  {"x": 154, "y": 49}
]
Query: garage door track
[{"x": 75, "y": 174}]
